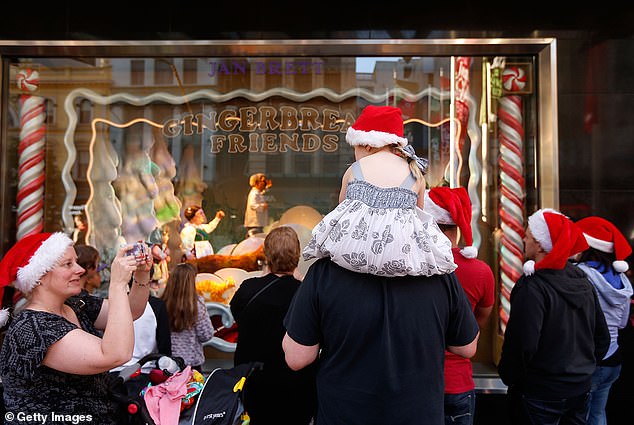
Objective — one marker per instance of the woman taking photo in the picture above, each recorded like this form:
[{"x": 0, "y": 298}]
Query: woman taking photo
[{"x": 52, "y": 357}]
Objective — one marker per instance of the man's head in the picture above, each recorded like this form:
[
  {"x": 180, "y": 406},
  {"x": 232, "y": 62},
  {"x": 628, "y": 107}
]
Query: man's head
[
  {"x": 551, "y": 238},
  {"x": 451, "y": 208},
  {"x": 605, "y": 238}
]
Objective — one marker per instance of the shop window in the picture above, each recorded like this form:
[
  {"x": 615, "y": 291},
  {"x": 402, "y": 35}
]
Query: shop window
[
  {"x": 137, "y": 72},
  {"x": 163, "y": 72},
  {"x": 303, "y": 164},
  {"x": 85, "y": 111},
  {"x": 50, "y": 111},
  {"x": 190, "y": 71},
  {"x": 274, "y": 165}
]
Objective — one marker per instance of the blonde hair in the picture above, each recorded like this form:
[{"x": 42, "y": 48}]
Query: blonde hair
[
  {"x": 181, "y": 298},
  {"x": 255, "y": 177}
]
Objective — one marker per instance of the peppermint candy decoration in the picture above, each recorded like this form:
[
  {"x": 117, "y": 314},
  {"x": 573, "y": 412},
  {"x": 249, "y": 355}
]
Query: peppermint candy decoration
[
  {"x": 28, "y": 80},
  {"x": 514, "y": 79}
]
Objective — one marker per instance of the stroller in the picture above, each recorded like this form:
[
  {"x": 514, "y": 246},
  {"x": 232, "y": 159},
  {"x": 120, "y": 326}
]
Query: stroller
[
  {"x": 221, "y": 401},
  {"x": 125, "y": 387}
]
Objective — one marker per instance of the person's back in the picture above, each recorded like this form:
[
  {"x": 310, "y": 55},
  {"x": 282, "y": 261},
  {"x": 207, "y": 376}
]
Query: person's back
[
  {"x": 564, "y": 304},
  {"x": 556, "y": 332},
  {"x": 476, "y": 279},
  {"x": 382, "y": 342},
  {"x": 452, "y": 210},
  {"x": 604, "y": 264},
  {"x": 379, "y": 226},
  {"x": 190, "y": 324}
]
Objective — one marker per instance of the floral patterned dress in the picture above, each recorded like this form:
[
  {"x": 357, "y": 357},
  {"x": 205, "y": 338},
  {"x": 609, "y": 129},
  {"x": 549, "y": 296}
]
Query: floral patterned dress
[{"x": 381, "y": 231}]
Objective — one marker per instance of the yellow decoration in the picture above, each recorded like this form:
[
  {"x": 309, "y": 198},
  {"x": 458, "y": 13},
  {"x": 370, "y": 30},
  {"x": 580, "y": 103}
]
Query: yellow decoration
[
  {"x": 238, "y": 386},
  {"x": 198, "y": 377},
  {"x": 216, "y": 292}
]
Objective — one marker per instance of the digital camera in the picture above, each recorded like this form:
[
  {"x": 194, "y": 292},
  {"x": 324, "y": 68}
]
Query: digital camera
[{"x": 138, "y": 251}]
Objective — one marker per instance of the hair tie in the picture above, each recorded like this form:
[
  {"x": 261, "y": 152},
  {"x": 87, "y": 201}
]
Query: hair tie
[{"x": 410, "y": 155}]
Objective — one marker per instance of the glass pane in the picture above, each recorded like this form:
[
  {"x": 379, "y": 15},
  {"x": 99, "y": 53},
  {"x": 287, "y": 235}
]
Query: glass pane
[{"x": 135, "y": 141}]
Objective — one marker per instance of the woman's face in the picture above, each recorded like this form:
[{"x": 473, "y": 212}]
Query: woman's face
[
  {"x": 64, "y": 278},
  {"x": 199, "y": 217}
]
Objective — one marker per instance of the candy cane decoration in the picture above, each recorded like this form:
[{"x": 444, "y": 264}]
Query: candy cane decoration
[
  {"x": 511, "y": 198},
  {"x": 31, "y": 177},
  {"x": 465, "y": 114},
  {"x": 462, "y": 82}
]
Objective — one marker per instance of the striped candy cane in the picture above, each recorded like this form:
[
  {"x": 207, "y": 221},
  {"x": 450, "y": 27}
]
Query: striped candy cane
[
  {"x": 512, "y": 194},
  {"x": 31, "y": 152}
]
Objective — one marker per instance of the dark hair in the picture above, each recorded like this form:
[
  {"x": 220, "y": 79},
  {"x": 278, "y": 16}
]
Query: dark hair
[
  {"x": 282, "y": 250},
  {"x": 605, "y": 259},
  {"x": 87, "y": 256},
  {"x": 446, "y": 227},
  {"x": 181, "y": 299},
  {"x": 191, "y": 211}
]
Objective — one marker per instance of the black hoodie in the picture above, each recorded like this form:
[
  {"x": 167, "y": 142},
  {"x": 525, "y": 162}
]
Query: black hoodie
[{"x": 555, "y": 335}]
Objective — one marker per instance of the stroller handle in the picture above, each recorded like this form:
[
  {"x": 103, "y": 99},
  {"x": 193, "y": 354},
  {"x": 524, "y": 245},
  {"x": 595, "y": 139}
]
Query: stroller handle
[{"x": 134, "y": 369}]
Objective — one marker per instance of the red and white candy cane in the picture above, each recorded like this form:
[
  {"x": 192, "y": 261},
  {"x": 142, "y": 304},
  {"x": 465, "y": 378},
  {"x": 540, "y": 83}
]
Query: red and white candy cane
[
  {"x": 512, "y": 192},
  {"x": 31, "y": 151},
  {"x": 462, "y": 67}
]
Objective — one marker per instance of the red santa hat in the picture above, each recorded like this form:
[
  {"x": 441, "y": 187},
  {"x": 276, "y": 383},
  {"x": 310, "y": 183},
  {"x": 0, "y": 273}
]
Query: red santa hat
[
  {"x": 31, "y": 258},
  {"x": 452, "y": 207},
  {"x": 602, "y": 235},
  {"x": 558, "y": 236},
  {"x": 377, "y": 126}
]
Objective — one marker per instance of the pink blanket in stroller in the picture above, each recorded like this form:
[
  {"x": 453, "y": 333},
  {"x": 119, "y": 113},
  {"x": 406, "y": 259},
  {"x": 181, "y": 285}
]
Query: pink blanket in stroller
[{"x": 163, "y": 401}]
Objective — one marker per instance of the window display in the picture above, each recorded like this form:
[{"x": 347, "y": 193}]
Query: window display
[{"x": 129, "y": 144}]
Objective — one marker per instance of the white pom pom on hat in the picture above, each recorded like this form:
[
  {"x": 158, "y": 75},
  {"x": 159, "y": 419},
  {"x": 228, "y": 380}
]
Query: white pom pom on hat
[
  {"x": 558, "y": 236},
  {"x": 529, "y": 268},
  {"x": 603, "y": 235},
  {"x": 377, "y": 126},
  {"x": 452, "y": 207}
]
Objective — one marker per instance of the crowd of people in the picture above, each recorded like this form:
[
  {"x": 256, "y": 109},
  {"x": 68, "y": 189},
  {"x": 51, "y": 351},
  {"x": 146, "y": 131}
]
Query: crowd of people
[{"x": 380, "y": 330}]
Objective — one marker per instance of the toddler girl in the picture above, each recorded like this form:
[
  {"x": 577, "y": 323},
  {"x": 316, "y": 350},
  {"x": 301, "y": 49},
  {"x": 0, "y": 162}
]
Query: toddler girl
[{"x": 380, "y": 227}]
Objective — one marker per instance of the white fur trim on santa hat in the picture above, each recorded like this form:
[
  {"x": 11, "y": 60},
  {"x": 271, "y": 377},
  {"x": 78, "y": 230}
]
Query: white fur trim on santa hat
[
  {"x": 4, "y": 317},
  {"x": 529, "y": 267},
  {"x": 42, "y": 261},
  {"x": 469, "y": 252},
  {"x": 620, "y": 266},
  {"x": 539, "y": 228},
  {"x": 604, "y": 246},
  {"x": 376, "y": 139},
  {"x": 440, "y": 214}
]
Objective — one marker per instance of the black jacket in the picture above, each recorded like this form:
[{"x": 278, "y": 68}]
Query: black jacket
[
  {"x": 163, "y": 333},
  {"x": 555, "y": 335}
]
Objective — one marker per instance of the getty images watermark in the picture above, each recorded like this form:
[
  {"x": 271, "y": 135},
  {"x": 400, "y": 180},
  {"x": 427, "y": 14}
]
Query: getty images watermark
[{"x": 46, "y": 418}]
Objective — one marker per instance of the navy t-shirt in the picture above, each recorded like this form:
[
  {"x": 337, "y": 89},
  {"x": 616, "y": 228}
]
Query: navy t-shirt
[{"x": 382, "y": 342}]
